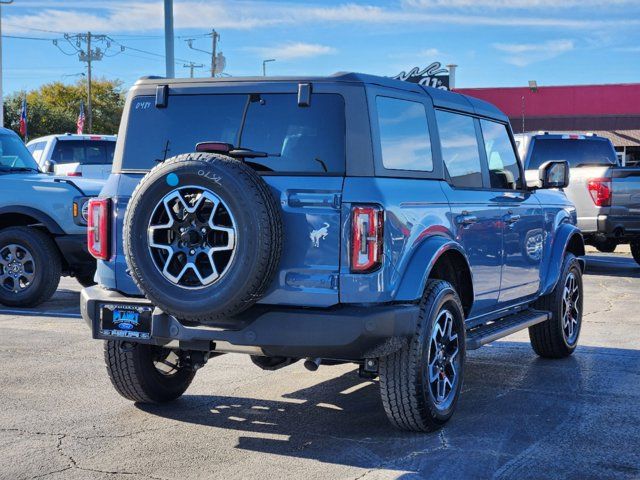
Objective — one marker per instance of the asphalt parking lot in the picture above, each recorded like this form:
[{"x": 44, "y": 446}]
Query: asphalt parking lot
[{"x": 519, "y": 416}]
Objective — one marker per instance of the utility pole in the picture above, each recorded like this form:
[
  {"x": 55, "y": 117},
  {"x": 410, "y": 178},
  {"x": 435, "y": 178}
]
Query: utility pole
[
  {"x": 89, "y": 96},
  {"x": 214, "y": 43},
  {"x": 191, "y": 66},
  {"x": 88, "y": 56},
  {"x": 168, "y": 39},
  {"x": 2, "y": 2},
  {"x": 218, "y": 61}
]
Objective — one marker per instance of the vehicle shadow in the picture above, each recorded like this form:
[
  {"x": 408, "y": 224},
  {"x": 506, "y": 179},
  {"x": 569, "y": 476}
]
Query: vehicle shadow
[
  {"x": 612, "y": 266},
  {"x": 513, "y": 417}
]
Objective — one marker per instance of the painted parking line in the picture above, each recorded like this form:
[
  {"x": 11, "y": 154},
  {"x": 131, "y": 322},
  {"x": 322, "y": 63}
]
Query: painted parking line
[{"x": 36, "y": 313}]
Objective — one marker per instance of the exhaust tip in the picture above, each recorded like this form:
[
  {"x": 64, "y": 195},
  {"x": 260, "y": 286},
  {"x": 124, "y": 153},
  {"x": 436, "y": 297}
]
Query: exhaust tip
[{"x": 312, "y": 364}]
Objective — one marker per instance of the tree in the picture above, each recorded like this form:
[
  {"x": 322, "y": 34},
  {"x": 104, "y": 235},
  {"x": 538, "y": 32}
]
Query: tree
[{"x": 54, "y": 107}]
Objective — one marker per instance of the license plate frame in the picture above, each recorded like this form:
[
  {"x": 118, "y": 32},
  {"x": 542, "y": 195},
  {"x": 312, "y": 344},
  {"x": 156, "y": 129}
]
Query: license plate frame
[{"x": 125, "y": 322}]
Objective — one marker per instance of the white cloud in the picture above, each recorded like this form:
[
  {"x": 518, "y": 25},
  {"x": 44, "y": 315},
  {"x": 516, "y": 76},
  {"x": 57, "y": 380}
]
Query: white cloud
[
  {"x": 523, "y": 54},
  {"x": 292, "y": 51},
  {"x": 139, "y": 16},
  {"x": 515, "y": 4}
]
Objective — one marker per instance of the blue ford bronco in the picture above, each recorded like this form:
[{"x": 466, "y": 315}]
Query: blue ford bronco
[
  {"x": 43, "y": 229},
  {"x": 348, "y": 218}
]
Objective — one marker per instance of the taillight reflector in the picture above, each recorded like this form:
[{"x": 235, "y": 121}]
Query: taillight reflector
[
  {"x": 97, "y": 228},
  {"x": 367, "y": 224},
  {"x": 600, "y": 191}
]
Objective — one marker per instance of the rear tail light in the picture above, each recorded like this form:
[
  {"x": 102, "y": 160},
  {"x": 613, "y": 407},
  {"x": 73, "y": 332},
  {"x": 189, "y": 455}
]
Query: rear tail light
[
  {"x": 98, "y": 228},
  {"x": 600, "y": 191},
  {"x": 74, "y": 174},
  {"x": 366, "y": 238}
]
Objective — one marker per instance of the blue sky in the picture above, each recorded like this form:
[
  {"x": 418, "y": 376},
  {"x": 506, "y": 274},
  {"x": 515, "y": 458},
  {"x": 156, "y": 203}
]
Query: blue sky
[{"x": 494, "y": 42}]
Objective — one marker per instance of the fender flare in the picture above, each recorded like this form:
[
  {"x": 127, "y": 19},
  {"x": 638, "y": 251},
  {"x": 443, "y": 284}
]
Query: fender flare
[
  {"x": 41, "y": 217},
  {"x": 419, "y": 267},
  {"x": 565, "y": 235}
]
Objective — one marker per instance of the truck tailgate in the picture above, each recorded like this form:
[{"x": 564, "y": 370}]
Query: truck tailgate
[{"x": 625, "y": 199}]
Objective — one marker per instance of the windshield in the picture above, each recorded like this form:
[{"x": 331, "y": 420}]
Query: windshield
[
  {"x": 14, "y": 154},
  {"x": 295, "y": 139},
  {"x": 579, "y": 153}
]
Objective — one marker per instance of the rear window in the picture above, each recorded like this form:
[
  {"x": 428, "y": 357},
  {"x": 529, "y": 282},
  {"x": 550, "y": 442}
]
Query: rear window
[
  {"x": 579, "y": 153},
  {"x": 295, "y": 139},
  {"x": 85, "y": 152}
]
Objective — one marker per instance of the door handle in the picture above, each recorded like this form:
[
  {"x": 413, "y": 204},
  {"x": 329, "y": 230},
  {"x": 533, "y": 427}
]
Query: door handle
[
  {"x": 512, "y": 218},
  {"x": 466, "y": 220}
]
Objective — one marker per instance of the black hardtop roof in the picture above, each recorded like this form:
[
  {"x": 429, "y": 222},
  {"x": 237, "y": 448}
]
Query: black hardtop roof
[{"x": 441, "y": 98}]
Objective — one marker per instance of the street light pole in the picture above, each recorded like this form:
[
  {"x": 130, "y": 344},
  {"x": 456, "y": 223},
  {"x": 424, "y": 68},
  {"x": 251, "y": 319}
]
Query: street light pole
[
  {"x": 264, "y": 65},
  {"x": 2, "y": 2},
  {"x": 168, "y": 39}
]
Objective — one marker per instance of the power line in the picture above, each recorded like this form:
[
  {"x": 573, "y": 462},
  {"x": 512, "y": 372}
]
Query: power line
[{"x": 29, "y": 38}]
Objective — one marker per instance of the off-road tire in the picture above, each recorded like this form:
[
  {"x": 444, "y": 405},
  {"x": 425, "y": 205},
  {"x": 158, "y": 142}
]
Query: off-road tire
[
  {"x": 405, "y": 397},
  {"x": 635, "y": 251},
  {"x": 134, "y": 376},
  {"x": 259, "y": 243},
  {"x": 47, "y": 261},
  {"x": 547, "y": 338},
  {"x": 607, "y": 245}
]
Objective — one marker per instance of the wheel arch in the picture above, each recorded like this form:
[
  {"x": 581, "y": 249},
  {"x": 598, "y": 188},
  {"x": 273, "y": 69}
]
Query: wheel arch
[
  {"x": 568, "y": 240},
  {"x": 438, "y": 258},
  {"x": 14, "y": 216}
]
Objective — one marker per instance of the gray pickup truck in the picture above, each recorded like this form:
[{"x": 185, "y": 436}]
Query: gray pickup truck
[{"x": 606, "y": 195}]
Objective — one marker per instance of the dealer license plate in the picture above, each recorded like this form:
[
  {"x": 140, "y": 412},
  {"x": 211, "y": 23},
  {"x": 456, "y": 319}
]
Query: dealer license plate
[{"x": 125, "y": 321}]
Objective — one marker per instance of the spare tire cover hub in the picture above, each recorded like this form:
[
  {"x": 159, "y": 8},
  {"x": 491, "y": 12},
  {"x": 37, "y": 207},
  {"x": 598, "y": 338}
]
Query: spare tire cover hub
[{"x": 192, "y": 237}]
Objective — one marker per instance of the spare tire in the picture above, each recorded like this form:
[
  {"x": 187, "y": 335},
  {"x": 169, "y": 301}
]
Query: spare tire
[{"x": 203, "y": 237}]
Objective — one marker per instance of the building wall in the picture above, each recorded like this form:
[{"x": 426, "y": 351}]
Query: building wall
[{"x": 582, "y": 107}]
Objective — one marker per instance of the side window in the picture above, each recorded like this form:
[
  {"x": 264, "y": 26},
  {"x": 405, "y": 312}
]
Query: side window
[
  {"x": 404, "y": 135},
  {"x": 504, "y": 171},
  {"x": 460, "y": 149}
]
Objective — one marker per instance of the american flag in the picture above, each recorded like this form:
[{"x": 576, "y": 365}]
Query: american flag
[
  {"x": 80, "y": 122},
  {"x": 23, "y": 118}
]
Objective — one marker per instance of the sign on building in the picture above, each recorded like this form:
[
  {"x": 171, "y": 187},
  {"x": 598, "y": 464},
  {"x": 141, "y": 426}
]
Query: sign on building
[{"x": 435, "y": 75}]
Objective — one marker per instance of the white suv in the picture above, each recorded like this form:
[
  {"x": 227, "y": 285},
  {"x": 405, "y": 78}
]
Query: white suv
[{"x": 89, "y": 156}]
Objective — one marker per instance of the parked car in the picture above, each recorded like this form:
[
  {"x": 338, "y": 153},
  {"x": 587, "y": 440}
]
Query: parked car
[
  {"x": 606, "y": 195},
  {"x": 89, "y": 156},
  {"x": 349, "y": 218},
  {"x": 42, "y": 227}
]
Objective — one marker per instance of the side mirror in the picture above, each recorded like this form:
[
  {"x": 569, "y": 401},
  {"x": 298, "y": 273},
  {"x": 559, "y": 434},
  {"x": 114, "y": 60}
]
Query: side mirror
[
  {"x": 554, "y": 174},
  {"x": 48, "y": 166}
]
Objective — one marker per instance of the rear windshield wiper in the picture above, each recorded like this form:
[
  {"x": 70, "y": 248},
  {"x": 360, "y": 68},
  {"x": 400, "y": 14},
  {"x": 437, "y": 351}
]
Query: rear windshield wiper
[{"x": 228, "y": 149}]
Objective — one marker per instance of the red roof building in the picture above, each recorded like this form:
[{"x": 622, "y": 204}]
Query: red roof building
[{"x": 608, "y": 110}]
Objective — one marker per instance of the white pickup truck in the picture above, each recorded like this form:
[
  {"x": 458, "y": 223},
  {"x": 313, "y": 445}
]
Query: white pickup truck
[
  {"x": 606, "y": 195},
  {"x": 89, "y": 156}
]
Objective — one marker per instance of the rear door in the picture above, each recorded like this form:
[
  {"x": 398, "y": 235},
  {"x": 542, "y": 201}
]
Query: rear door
[{"x": 475, "y": 209}]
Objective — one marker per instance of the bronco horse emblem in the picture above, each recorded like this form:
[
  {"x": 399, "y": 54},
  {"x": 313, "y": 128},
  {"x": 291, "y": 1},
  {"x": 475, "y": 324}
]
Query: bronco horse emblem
[{"x": 319, "y": 234}]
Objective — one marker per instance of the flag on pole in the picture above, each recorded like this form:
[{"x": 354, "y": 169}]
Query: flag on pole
[
  {"x": 23, "y": 118},
  {"x": 80, "y": 122}
]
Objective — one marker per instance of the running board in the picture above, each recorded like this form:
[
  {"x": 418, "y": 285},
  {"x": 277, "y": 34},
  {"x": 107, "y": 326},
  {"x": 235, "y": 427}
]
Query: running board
[{"x": 490, "y": 332}]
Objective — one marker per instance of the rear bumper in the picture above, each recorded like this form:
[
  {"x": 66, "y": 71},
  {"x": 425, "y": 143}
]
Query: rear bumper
[
  {"x": 345, "y": 333},
  {"x": 622, "y": 226}
]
